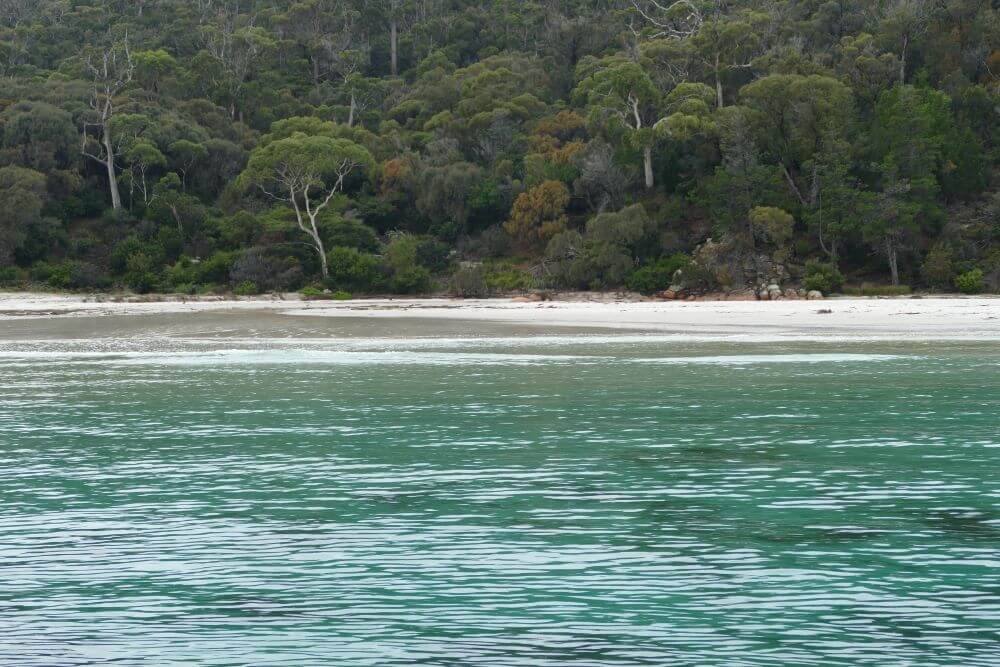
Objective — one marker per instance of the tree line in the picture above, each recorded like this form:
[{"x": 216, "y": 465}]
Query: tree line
[{"x": 365, "y": 146}]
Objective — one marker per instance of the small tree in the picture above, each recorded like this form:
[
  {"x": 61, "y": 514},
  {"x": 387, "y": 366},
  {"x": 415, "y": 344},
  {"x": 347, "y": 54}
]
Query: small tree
[
  {"x": 540, "y": 213},
  {"x": 625, "y": 102},
  {"x": 142, "y": 157},
  {"x": 22, "y": 192},
  {"x": 306, "y": 172},
  {"x": 184, "y": 155}
]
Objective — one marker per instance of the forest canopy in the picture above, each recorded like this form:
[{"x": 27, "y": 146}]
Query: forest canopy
[{"x": 413, "y": 146}]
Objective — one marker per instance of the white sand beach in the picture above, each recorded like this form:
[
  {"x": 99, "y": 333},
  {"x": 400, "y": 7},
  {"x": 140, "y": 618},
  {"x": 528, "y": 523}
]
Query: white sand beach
[{"x": 926, "y": 318}]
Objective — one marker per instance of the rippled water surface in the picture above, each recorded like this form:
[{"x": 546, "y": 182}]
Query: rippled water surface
[{"x": 569, "y": 500}]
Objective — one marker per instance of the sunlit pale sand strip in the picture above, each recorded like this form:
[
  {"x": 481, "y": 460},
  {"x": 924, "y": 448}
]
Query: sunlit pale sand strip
[{"x": 924, "y": 318}]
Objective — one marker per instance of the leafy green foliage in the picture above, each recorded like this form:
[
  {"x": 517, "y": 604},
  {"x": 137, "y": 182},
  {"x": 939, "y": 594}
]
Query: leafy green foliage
[
  {"x": 657, "y": 277},
  {"x": 970, "y": 282},
  {"x": 252, "y": 144},
  {"x": 822, "y": 276},
  {"x": 354, "y": 270},
  {"x": 604, "y": 255}
]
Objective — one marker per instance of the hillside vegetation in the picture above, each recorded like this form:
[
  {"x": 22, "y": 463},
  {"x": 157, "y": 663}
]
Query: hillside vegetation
[{"x": 412, "y": 146}]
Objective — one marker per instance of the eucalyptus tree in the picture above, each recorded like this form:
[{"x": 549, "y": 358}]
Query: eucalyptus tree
[
  {"x": 23, "y": 193},
  {"x": 902, "y": 23},
  {"x": 305, "y": 172},
  {"x": 236, "y": 45},
  {"x": 907, "y": 143},
  {"x": 623, "y": 101},
  {"x": 112, "y": 69}
]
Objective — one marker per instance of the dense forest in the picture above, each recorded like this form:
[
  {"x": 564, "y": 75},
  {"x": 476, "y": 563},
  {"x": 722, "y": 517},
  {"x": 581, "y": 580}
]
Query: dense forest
[{"x": 478, "y": 147}]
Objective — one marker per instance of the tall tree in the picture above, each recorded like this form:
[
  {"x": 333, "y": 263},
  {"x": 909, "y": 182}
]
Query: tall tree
[
  {"x": 624, "y": 101},
  {"x": 112, "y": 69},
  {"x": 305, "y": 172}
]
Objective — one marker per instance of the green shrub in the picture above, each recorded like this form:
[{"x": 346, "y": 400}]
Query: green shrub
[
  {"x": 341, "y": 295},
  {"x": 401, "y": 252},
  {"x": 312, "y": 292},
  {"x": 182, "y": 272},
  {"x": 350, "y": 233},
  {"x": 433, "y": 255},
  {"x": 171, "y": 241},
  {"x": 69, "y": 274},
  {"x": 656, "y": 277},
  {"x": 411, "y": 280},
  {"x": 134, "y": 245},
  {"x": 504, "y": 277},
  {"x": 970, "y": 282},
  {"x": 140, "y": 273},
  {"x": 939, "y": 266},
  {"x": 353, "y": 269},
  {"x": 239, "y": 229},
  {"x": 822, "y": 276},
  {"x": 868, "y": 289},
  {"x": 215, "y": 269},
  {"x": 60, "y": 276},
  {"x": 246, "y": 288},
  {"x": 40, "y": 272},
  {"x": 11, "y": 275},
  {"x": 470, "y": 282}
]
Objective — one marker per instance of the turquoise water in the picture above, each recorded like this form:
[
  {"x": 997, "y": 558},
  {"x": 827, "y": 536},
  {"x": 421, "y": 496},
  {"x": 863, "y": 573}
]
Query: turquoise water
[{"x": 567, "y": 500}]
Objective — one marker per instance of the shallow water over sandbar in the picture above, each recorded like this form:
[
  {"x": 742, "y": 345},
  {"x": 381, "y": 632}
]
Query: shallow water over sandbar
[{"x": 196, "y": 493}]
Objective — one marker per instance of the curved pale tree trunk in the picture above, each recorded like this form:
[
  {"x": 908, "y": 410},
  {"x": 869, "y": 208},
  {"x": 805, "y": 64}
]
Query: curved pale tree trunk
[{"x": 109, "y": 164}]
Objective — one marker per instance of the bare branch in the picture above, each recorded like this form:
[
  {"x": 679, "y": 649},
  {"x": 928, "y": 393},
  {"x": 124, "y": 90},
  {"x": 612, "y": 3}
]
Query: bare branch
[{"x": 678, "y": 19}]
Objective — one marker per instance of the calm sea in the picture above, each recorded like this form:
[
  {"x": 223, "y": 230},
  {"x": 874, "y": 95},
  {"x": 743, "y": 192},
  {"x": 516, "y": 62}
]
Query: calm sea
[{"x": 505, "y": 500}]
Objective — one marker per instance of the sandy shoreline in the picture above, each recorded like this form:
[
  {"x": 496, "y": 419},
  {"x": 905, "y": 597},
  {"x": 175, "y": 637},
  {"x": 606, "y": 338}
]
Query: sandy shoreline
[{"x": 926, "y": 318}]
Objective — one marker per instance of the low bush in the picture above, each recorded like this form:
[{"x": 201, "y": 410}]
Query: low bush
[
  {"x": 140, "y": 273},
  {"x": 411, "y": 280},
  {"x": 970, "y": 282},
  {"x": 246, "y": 288},
  {"x": 656, "y": 277},
  {"x": 822, "y": 276},
  {"x": 11, "y": 276},
  {"x": 269, "y": 272},
  {"x": 350, "y": 233},
  {"x": 351, "y": 269},
  {"x": 312, "y": 292},
  {"x": 433, "y": 255},
  {"x": 135, "y": 245},
  {"x": 470, "y": 282},
  {"x": 215, "y": 269},
  {"x": 70, "y": 274},
  {"x": 182, "y": 273},
  {"x": 504, "y": 277},
  {"x": 939, "y": 266}
]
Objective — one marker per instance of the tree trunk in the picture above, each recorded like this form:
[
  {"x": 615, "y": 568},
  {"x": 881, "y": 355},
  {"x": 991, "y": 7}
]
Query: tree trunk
[
  {"x": 177, "y": 219},
  {"x": 891, "y": 255},
  {"x": 318, "y": 242},
  {"x": 718, "y": 83},
  {"x": 109, "y": 163},
  {"x": 647, "y": 160},
  {"x": 393, "y": 47},
  {"x": 350, "y": 114},
  {"x": 902, "y": 61},
  {"x": 322, "y": 256}
]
